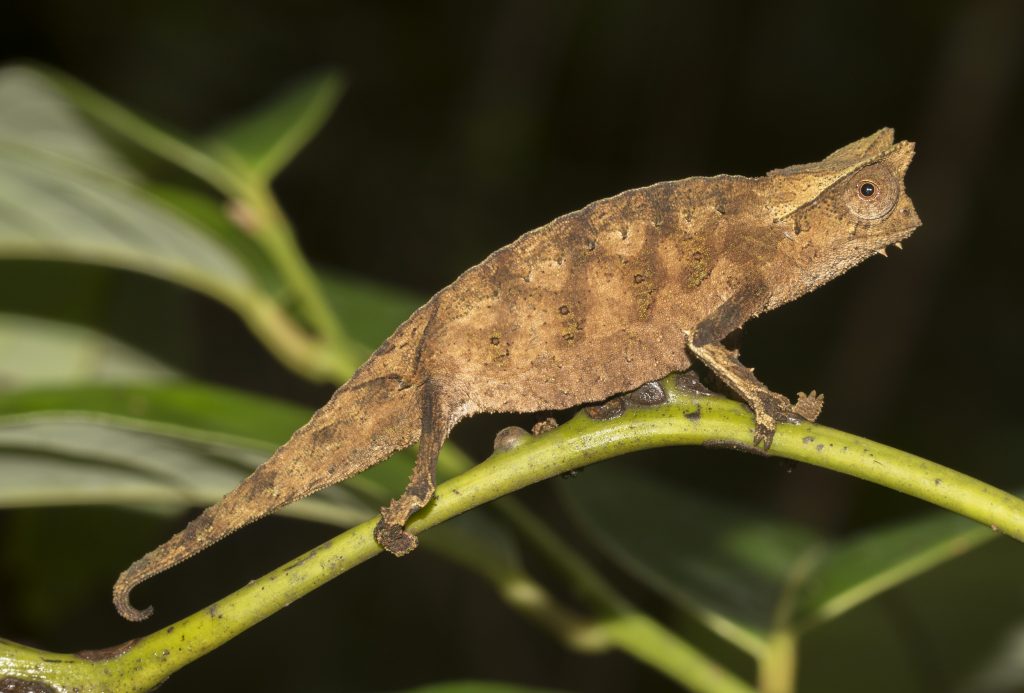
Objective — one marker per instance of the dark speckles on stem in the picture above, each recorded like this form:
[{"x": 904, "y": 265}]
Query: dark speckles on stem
[
  {"x": 608, "y": 410},
  {"x": 106, "y": 653},
  {"x": 11, "y": 684},
  {"x": 938, "y": 482},
  {"x": 693, "y": 415},
  {"x": 733, "y": 445},
  {"x": 647, "y": 395},
  {"x": 688, "y": 382}
]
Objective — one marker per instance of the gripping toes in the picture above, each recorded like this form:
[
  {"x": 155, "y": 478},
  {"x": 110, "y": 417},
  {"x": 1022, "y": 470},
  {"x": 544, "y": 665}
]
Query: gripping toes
[
  {"x": 393, "y": 538},
  {"x": 390, "y": 530},
  {"x": 770, "y": 408}
]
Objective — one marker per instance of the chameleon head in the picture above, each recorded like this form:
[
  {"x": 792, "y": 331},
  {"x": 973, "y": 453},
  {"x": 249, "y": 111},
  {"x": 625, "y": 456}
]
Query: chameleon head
[{"x": 836, "y": 213}]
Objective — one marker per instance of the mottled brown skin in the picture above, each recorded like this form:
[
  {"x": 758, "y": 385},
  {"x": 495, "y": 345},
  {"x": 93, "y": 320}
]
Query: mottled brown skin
[{"x": 595, "y": 303}]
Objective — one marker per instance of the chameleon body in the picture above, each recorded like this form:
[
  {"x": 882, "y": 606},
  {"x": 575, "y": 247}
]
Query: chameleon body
[{"x": 595, "y": 303}]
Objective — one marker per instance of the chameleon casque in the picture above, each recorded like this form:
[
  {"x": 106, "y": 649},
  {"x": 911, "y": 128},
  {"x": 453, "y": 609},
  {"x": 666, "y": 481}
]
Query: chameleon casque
[{"x": 593, "y": 304}]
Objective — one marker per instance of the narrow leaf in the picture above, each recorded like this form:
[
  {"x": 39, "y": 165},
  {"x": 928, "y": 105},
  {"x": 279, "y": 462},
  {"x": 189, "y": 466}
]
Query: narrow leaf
[
  {"x": 260, "y": 144},
  {"x": 49, "y": 459},
  {"x": 63, "y": 196},
  {"x": 877, "y": 560},
  {"x": 723, "y": 564},
  {"x": 37, "y": 352}
]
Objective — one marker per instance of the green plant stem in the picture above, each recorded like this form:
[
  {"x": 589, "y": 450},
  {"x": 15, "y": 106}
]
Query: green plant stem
[
  {"x": 274, "y": 232},
  {"x": 293, "y": 346},
  {"x": 579, "y": 442},
  {"x": 333, "y": 356},
  {"x": 777, "y": 663}
]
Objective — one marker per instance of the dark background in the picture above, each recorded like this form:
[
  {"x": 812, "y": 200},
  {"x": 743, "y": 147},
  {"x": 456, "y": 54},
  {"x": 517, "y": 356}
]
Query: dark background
[{"x": 468, "y": 123}]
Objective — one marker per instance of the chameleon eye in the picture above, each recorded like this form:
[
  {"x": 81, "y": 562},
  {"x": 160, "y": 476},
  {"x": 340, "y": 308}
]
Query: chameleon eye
[{"x": 874, "y": 192}]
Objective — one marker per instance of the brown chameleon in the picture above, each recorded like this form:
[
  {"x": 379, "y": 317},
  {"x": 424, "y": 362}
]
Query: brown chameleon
[{"x": 595, "y": 303}]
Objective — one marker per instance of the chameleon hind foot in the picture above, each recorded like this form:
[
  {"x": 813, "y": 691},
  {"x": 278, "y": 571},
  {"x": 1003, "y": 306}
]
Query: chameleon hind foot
[
  {"x": 394, "y": 539},
  {"x": 390, "y": 531}
]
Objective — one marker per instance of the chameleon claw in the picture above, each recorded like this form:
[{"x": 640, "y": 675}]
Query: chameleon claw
[
  {"x": 394, "y": 539},
  {"x": 764, "y": 433}
]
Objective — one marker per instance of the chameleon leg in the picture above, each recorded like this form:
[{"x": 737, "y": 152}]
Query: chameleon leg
[
  {"x": 769, "y": 407},
  {"x": 390, "y": 530}
]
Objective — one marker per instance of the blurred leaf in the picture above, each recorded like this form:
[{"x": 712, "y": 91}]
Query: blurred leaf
[
  {"x": 730, "y": 569},
  {"x": 868, "y": 650},
  {"x": 1003, "y": 669},
  {"x": 725, "y": 565},
  {"x": 180, "y": 443},
  {"x": 42, "y": 352},
  {"x": 151, "y": 316},
  {"x": 38, "y": 117},
  {"x": 50, "y": 459},
  {"x": 185, "y": 443},
  {"x": 862, "y": 567},
  {"x": 954, "y": 628},
  {"x": 262, "y": 143},
  {"x": 370, "y": 310},
  {"x": 120, "y": 123},
  {"x": 186, "y": 404},
  {"x": 63, "y": 197}
]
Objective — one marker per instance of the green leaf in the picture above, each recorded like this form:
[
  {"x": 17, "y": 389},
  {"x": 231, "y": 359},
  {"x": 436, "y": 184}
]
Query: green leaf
[
  {"x": 63, "y": 196},
  {"x": 119, "y": 123},
  {"x": 190, "y": 406},
  {"x": 37, "y": 352},
  {"x": 184, "y": 443},
  {"x": 725, "y": 565},
  {"x": 731, "y": 568},
  {"x": 370, "y": 310},
  {"x": 176, "y": 443},
  {"x": 955, "y": 628},
  {"x": 259, "y": 145},
  {"x": 50, "y": 459},
  {"x": 875, "y": 561}
]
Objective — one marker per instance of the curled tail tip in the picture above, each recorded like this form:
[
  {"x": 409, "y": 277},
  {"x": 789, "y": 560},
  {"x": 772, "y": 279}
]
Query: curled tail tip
[
  {"x": 122, "y": 601},
  {"x": 129, "y": 612}
]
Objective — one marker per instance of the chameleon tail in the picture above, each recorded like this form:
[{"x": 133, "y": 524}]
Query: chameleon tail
[{"x": 365, "y": 421}]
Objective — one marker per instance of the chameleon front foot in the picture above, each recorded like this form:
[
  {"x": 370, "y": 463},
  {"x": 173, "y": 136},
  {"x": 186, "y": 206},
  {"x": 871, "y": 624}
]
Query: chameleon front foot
[{"x": 771, "y": 408}]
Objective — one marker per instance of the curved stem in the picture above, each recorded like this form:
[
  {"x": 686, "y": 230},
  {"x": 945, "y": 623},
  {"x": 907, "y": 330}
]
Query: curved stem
[
  {"x": 292, "y": 345},
  {"x": 274, "y": 232},
  {"x": 686, "y": 419}
]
